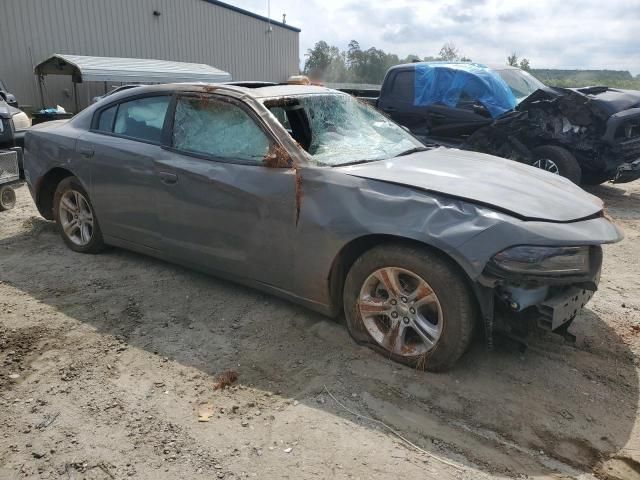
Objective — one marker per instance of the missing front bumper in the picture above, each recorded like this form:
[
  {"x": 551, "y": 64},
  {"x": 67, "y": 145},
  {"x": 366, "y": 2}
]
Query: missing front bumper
[{"x": 556, "y": 312}]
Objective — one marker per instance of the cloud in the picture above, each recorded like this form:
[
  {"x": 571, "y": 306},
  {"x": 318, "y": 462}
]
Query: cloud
[{"x": 551, "y": 33}]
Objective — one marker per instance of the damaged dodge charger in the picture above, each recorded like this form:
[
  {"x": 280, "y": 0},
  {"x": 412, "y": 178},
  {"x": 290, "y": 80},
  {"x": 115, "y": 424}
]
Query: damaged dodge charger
[
  {"x": 309, "y": 194},
  {"x": 589, "y": 135}
]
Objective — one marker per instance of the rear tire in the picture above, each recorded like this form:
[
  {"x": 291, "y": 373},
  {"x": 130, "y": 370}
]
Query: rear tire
[
  {"x": 76, "y": 218},
  {"x": 430, "y": 330},
  {"x": 557, "y": 160},
  {"x": 7, "y": 198}
]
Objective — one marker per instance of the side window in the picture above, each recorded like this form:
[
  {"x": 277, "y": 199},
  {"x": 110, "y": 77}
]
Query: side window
[
  {"x": 217, "y": 128},
  {"x": 471, "y": 93},
  {"x": 142, "y": 118},
  {"x": 105, "y": 122},
  {"x": 281, "y": 114},
  {"x": 402, "y": 89}
]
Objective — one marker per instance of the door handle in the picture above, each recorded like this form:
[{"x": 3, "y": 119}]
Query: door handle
[
  {"x": 86, "y": 152},
  {"x": 168, "y": 178}
]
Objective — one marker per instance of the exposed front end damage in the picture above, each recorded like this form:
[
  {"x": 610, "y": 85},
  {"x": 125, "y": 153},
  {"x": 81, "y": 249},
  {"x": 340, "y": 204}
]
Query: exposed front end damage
[
  {"x": 514, "y": 304},
  {"x": 598, "y": 125},
  {"x": 532, "y": 262}
]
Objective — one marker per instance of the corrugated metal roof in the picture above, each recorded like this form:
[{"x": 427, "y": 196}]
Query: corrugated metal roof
[
  {"x": 253, "y": 15},
  {"x": 129, "y": 70}
]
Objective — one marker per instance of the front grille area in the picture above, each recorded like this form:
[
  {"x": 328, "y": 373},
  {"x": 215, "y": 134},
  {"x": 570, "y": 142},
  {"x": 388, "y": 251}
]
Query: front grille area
[{"x": 8, "y": 166}]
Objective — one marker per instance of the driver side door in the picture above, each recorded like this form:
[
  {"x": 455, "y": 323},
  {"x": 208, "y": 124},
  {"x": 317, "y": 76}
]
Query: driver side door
[{"x": 221, "y": 208}]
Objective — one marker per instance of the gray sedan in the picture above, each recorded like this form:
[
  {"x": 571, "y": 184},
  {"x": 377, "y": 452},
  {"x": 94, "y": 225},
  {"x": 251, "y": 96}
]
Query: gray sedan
[{"x": 309, "y": 194}]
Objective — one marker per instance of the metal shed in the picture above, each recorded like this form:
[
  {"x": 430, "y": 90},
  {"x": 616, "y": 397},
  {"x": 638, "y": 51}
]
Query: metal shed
[
  {"x": 83, "y": 68},
  {"x": 247, "y": 45},
  {"x": 135, "y": 70}
]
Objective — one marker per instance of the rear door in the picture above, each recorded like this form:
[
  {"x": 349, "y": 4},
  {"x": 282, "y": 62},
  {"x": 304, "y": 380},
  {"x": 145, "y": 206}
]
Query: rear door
[
  {"x": 121, "y": 149},
  {"x": 222, "y": 209}
]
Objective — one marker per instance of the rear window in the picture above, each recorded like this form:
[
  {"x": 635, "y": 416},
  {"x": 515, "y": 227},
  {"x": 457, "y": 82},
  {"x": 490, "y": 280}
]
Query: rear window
[
  {"x": 142, "y": 118},
  {"x": 403, "y": 86}
]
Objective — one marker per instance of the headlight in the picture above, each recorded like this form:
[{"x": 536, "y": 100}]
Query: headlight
[
  {"x": 21, "y": 121},
  {"x": 534, "y": 260}
]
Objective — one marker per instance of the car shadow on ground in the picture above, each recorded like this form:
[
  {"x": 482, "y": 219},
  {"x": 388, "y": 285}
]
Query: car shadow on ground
[
  {"x": 621, "y": 204},
  {"x": 502, "y": 411}
]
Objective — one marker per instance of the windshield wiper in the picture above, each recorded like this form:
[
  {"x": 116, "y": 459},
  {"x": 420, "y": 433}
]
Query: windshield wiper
[{"x": 412, "y": 150}]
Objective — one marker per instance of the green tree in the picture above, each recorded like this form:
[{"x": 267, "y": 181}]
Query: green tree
[
  {"x": 411, "y": 58},
  {"x": 524, "y": 64},
  {"x": 318, "y": 58},
  {"x": 325, "y": 62},
  {"x": 512, "y": 60},
  {"x": 449, "y": 52}
]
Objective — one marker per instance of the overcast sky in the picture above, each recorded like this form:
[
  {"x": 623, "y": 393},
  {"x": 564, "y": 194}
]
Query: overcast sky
[{"x": 550, "y": 33}]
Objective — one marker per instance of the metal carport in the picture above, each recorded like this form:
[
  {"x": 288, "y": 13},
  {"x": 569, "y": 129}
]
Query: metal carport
[{"x": 125, "y": 70}]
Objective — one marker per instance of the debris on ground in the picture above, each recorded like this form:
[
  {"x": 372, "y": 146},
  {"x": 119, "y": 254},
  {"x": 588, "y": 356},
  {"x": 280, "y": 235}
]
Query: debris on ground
[
  {"x": 225, "y": 379},
  {"x": 74, "y": 413},
  {"x": 205, "y": 412}
]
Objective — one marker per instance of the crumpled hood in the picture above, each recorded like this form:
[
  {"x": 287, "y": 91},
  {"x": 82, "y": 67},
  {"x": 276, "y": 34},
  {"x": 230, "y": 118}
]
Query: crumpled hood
[
  {"x": 611, "y": 100},
  {"x": 505, "y": 185}
]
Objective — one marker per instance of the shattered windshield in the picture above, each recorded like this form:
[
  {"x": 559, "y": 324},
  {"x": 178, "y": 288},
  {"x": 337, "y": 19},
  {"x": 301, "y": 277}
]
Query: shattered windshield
[
  {"x": 337, "y": 129},
  {"x": 522, "y": 83}
]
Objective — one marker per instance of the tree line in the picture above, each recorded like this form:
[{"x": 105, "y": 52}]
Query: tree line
[{"x": 357, "y": 65}]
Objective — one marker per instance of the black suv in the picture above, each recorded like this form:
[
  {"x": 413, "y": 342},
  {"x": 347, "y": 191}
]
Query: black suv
[{"x": 589, "y": 135}]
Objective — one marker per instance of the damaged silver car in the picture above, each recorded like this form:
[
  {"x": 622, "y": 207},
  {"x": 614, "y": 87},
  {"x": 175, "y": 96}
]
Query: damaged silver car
[{"x": 311, "y": 195}]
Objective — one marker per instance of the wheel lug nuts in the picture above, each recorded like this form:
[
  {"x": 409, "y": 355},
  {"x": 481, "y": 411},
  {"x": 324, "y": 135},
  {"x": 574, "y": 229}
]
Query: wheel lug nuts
[
  {"x": 412, "y": 310},
  {"x": 404, "y": 299},
  {"x": 405, "y": 319},
  {"x": 394, "y": 314},
  {"x": 393, "y": 302}
]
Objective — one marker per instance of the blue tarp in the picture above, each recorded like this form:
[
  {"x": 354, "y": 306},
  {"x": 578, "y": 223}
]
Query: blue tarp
[{"x": 444, "y": 83}]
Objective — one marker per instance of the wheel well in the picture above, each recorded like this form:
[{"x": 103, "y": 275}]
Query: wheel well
[
  {"x": 47, "y": 189},
  {"x": 354, "y": 249}
]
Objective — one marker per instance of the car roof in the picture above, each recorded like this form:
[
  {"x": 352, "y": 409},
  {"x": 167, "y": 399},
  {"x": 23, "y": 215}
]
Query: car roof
[
  {"x": 267, "y": 91},
  {"x": 456, "y": 65},
  {"x": 287, "y": 90}
]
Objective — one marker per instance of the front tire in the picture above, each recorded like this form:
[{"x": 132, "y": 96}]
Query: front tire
[
  {"x": 557, "y": 160},
  {"x": 411, "y": 305},
  {"x": 76, "y": 218}
]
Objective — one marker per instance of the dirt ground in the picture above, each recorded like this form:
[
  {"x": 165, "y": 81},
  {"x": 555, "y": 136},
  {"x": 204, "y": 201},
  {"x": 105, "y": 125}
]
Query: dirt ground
[{"x": 107, "y": 361}]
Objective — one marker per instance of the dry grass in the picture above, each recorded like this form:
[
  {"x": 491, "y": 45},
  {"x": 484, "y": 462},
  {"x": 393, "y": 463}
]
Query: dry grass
[{"x": 225, "y": 379}]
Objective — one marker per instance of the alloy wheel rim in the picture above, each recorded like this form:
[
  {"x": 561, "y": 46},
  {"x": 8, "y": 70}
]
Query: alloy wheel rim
[
  {"x": 547, "y": 165},
  {"x": 400, "y": 311},
  {"x": 76, "y": 217}
]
